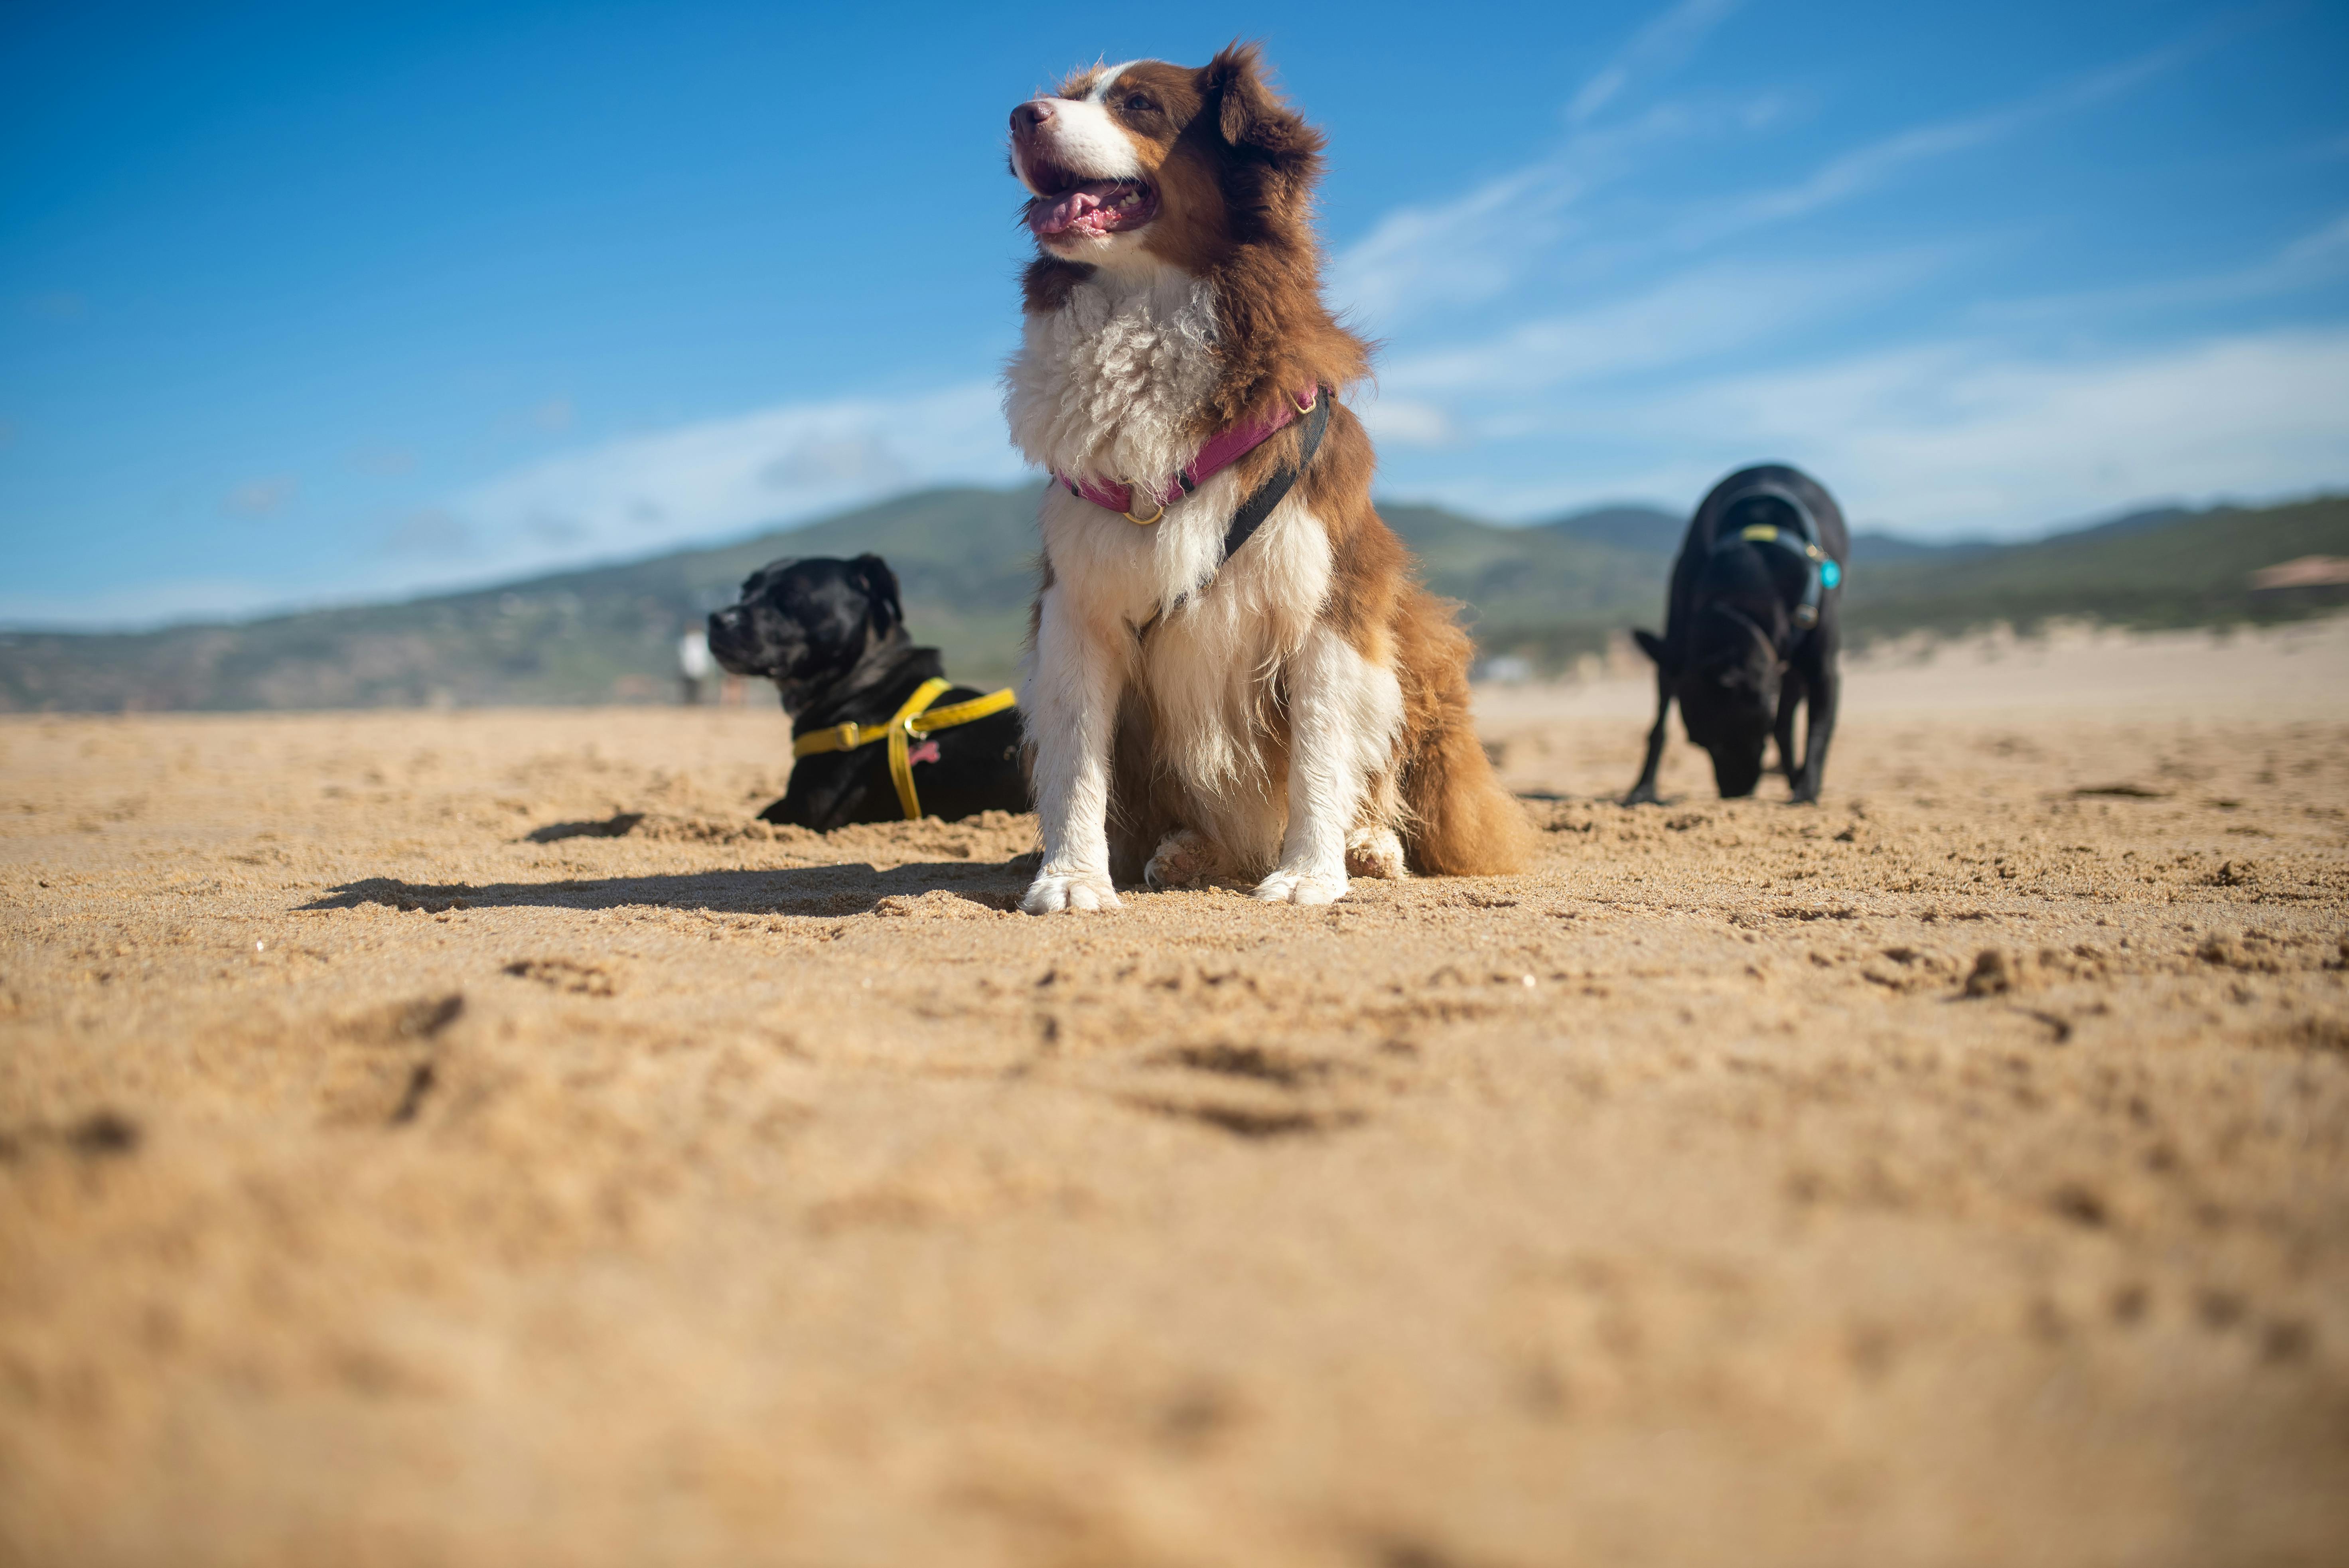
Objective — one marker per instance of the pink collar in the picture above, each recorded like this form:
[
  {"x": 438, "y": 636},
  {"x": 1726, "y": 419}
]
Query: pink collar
[{"x": 1218, "y": 454}]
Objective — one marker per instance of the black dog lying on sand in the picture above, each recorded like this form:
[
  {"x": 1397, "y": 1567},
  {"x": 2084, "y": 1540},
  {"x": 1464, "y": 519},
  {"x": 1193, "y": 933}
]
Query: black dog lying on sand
[
  {"x": 879, "y": 734},
  {"x": 1752, "y": 630}
]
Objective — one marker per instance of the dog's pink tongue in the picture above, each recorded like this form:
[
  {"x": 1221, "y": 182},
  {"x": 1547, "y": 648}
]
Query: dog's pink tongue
[{"x": 1085, "y": 208}]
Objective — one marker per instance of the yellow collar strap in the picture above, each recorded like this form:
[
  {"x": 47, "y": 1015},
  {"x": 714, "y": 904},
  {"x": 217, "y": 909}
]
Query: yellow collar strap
[
  {"x": 1765, "y": 533},
  {"x": 917, "y": 717}
]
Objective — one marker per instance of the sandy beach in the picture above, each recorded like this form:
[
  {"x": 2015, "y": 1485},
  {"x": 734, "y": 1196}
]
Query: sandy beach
[{"x": 469, "y": 1138}]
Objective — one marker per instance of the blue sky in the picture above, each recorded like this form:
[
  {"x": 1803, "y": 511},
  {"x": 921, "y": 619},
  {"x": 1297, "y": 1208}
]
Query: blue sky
[{"x": 318, "y": 304}]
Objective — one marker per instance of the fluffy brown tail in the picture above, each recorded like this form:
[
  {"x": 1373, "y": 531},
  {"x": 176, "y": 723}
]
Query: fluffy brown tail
[{"x": 1458, "y": 821}]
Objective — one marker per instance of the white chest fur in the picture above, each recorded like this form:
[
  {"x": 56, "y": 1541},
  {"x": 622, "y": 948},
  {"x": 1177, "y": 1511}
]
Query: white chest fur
[
  {"x": 1105, "y": 387},
  {"x": 1108, "y": 387}
]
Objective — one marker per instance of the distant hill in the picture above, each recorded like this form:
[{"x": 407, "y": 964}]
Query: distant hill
[
  {"x": 2152, "y": 570},
  {"x": 1535, "y": 592},
  {"x": 1870, "y": 548},
  {"x": 1639, "y": 528},
  {"x": 1648, "y": 531},
  {"x": 2129, "y": 522},
  {"x": 600, "y": 634},
  {"x": 965, "y": 559}
]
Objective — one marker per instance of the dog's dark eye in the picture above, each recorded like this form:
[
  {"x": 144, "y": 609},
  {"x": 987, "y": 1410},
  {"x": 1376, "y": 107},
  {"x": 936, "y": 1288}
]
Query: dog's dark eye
[{"x": 1139, "y": 103}]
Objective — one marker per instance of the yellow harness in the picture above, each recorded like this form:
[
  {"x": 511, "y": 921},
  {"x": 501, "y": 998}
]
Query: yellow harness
[{"x": 917, "y": 717}]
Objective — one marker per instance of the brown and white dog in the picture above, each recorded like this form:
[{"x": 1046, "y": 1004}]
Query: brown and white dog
[{"x": 1298, "y": 711}]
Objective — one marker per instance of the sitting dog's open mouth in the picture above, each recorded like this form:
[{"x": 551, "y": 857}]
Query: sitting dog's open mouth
[{"x": 1090, "y": 207}]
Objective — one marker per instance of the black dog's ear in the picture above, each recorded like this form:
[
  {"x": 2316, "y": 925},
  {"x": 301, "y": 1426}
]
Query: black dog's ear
[
  {"x": 881, "y": 586},
  {"x": 1249, "y": 114},
  {"x": 1653, "y": 646}
]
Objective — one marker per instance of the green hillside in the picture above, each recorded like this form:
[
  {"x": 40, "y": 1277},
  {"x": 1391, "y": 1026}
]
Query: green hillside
[
  {"x": 1545, "y": 592},
  {"x": 607, "y": 634},
  {"x": 2162, "y": 570},
  {"x": 965, "y": 559}
]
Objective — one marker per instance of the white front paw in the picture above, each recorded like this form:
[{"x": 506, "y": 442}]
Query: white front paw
[
  {"x": 1068, "y": 890},
  {"x": 1288, "y": 886}
]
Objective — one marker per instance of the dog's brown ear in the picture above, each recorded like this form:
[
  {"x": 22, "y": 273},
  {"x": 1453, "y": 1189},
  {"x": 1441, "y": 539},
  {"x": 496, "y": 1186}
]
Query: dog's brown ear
[
  {"x": 1249, "y": 114},
  {"x": 881, "y": 586}
]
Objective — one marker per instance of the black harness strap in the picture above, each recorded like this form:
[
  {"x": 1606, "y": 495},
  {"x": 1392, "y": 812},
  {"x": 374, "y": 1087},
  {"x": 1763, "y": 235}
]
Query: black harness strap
[
  {"x": 1277, "y": 486},
  {"x": 1821, "y": 571},
  {"x": 1263, "y": 499}
]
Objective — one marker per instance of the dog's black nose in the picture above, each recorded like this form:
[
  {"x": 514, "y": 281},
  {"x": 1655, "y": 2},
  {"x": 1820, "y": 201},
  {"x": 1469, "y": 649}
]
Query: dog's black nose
[{"x": 1030, "y": 115}]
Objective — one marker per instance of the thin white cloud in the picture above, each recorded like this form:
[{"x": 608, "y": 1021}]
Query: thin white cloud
[
  {"x": 2321, "y": 254},
  {"x": 382, "y": 462},
  {"x": 1478, "y": 245},
  {"x": 1407, "y": 421},
  {"x": 1657, "y": 49},
  {"x": 1868, "y": 168},
  {"x": 721, "y": 476},
  {"x": 1630, "y": 395},
  {"x": 260, "y": 496},
  {"x": 1964, "y": 437},
  {"x": 1699, "y": 316},
  {"x": 2313, "y": 259},
  {"x": 1953, "y": 438},
  {"x": 1474, "y": 246},
  {"x": 1470, "y": 248},
  {"x": 632, "y": 497}
]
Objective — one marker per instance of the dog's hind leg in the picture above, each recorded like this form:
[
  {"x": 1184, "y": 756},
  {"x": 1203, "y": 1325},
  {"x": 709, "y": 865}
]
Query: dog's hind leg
[
  {"x": 1184, "y": 859},
  {"x": 1374, "y": 851}
]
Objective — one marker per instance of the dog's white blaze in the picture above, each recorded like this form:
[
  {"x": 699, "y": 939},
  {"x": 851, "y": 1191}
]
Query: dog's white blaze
[
  {"x": 1082, "y": 139},
  {"x": 1099, "y": 91}
]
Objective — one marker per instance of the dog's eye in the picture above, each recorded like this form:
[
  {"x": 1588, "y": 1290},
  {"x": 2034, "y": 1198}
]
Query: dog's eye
[{"x": 1138, "y": 103}]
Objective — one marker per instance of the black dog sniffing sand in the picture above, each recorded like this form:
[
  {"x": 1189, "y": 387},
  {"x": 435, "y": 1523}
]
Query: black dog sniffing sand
[
  {"x": 1752, "y": 631},
  {"x": 878, "y": 733}
]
